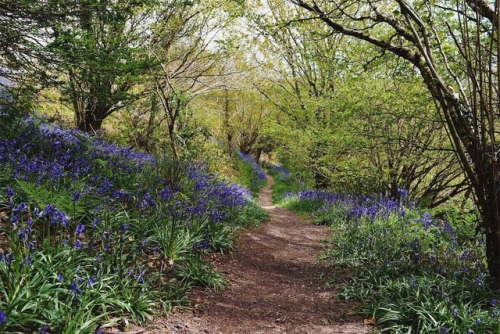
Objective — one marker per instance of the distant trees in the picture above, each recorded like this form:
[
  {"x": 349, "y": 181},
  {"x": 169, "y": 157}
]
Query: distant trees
[
  {"x": 395, "y": 139},
  {"x": 301, "y": 59},
  {"x": 370, "y": 134},
  {"x": 454, "y": 46}
]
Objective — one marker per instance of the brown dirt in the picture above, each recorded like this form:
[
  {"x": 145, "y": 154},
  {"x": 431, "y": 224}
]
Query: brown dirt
[{"x": 274, "y": 285}]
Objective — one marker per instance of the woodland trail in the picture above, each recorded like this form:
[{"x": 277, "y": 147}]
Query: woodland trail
[{"x": 274, "y": 285}]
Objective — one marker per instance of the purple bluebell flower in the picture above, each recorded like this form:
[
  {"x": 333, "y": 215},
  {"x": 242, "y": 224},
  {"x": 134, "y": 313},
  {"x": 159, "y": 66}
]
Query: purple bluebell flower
[
  {"x": 21, "y": 207},
  {"x": 124, "y": 227},
  {"x": 76, "y": 196},
  {"x": 9, "y": 258},
  {"x": 3, "y": 318},
  {"x": 96, "y": 222},
  {"x": 78, "y": 245},
  {"x": 91, "y": 281},
  {"x": 79, "y": 229},
  {"x": 74, "y": 287},
  {"x": 45, "y": 329},
  {"x": 98, "y": 330}
]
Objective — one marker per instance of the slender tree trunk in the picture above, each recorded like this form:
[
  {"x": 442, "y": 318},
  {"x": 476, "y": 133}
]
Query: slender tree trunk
[
  {"x": 492, "y": 223},
  {"x": 171, "y": 137}
]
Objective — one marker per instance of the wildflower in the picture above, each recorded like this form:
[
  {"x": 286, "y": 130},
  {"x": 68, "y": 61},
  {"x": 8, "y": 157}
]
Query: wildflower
[
  {"x": 480, "y": 279},
  {"x": 124, "y": 227},
  {"x": 470, "y": 331},
  {"x": 494, "y": 302},
  {"x": 444, "y": 330},
  {"x": 78, "y": 245},
  {"x": 10, "y": 192},
  {"x": 9, "y": 258},
  {"x": 3, "y": 318},
  {"x": 45, "y": 329},
  {"x": 91, "y": 281},
  {"x": 75, "y": 289},
  {"x": 79, "y": 229},
  {"x": 76, "y": 196},
  {"x": 22, "y": 207},
  {"x": 96, "y": 223},
  {"x": 60, "y": 277},
  {"x": 454, "y": 312},
  {"x": 478, "y": 322},
  {"x": 98, "y": 330},
  {"x": 414, "y": 283}
]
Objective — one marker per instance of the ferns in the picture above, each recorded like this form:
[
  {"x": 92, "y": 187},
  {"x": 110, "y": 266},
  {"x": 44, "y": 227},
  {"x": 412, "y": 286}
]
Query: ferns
[{"x": 42, "y": 196}]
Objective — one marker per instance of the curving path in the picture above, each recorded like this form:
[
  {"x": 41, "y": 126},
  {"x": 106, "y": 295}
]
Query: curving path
[{"x": 274, "y": 285}]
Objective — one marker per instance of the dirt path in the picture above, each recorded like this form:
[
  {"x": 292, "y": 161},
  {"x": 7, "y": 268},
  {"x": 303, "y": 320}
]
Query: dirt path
[{"x": 274, "y": 285}]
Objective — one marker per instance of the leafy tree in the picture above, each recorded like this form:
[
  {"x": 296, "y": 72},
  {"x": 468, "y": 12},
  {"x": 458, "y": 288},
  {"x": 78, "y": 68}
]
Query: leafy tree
[
  {"x": 451, "y": 44},
  {"x": 302, "y": 58},
  {"x": 100, "y": 49},
  {"x": 191, "y": 63},
  {"x": 22, "y": 24},
  {"x": 395, "y": 135}
]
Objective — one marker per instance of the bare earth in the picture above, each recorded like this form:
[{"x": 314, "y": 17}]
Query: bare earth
[{"x": 274, "y": 285}]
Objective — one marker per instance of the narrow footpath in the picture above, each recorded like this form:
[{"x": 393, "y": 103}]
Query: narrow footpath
[{"x": 274, "y": 285}]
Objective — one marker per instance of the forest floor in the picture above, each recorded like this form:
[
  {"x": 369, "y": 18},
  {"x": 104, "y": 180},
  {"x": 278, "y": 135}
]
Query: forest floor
[{"x": 274, "y": 285}]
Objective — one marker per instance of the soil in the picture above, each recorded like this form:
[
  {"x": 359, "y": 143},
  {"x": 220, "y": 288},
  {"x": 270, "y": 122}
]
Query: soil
[{"x": 274, "y": 285}]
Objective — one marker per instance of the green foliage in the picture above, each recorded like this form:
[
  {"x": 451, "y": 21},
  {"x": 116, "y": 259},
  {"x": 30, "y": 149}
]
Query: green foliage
[
  {"x": 251, "y": 174},
  {"x": 42, "y": 196},
  {"x": 284, "y": 183},
  {"x": 200, "y": 272},
  {"x": 99, "y": 54},
  {"x": 411, "y": 272},
  {"x": 99, "y": 234}
]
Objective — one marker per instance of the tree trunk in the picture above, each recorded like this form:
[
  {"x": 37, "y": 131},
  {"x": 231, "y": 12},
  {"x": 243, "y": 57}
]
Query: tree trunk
[
  {"x": 91, "y": 121},
  {"x": 321, "y": 182},
  {"x": 492, "y": 222}
]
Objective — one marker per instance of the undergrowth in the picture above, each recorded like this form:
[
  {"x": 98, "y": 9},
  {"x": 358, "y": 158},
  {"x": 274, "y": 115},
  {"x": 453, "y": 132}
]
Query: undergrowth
[
  {"x": 93, "y": 235},
  {"x": 412, "y": 272},
  {"x": 251, "y": 174}
]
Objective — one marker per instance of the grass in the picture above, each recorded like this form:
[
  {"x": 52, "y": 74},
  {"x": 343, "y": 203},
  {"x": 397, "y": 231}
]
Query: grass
[{"x": 251, "y": 174}]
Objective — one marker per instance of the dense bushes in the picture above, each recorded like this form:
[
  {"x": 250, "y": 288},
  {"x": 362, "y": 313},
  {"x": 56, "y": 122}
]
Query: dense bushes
[{"x": 93, "y": 233}]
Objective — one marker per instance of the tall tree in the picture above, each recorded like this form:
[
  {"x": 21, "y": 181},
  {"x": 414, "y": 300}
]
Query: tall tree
[{"x": 418, "y": 32}]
